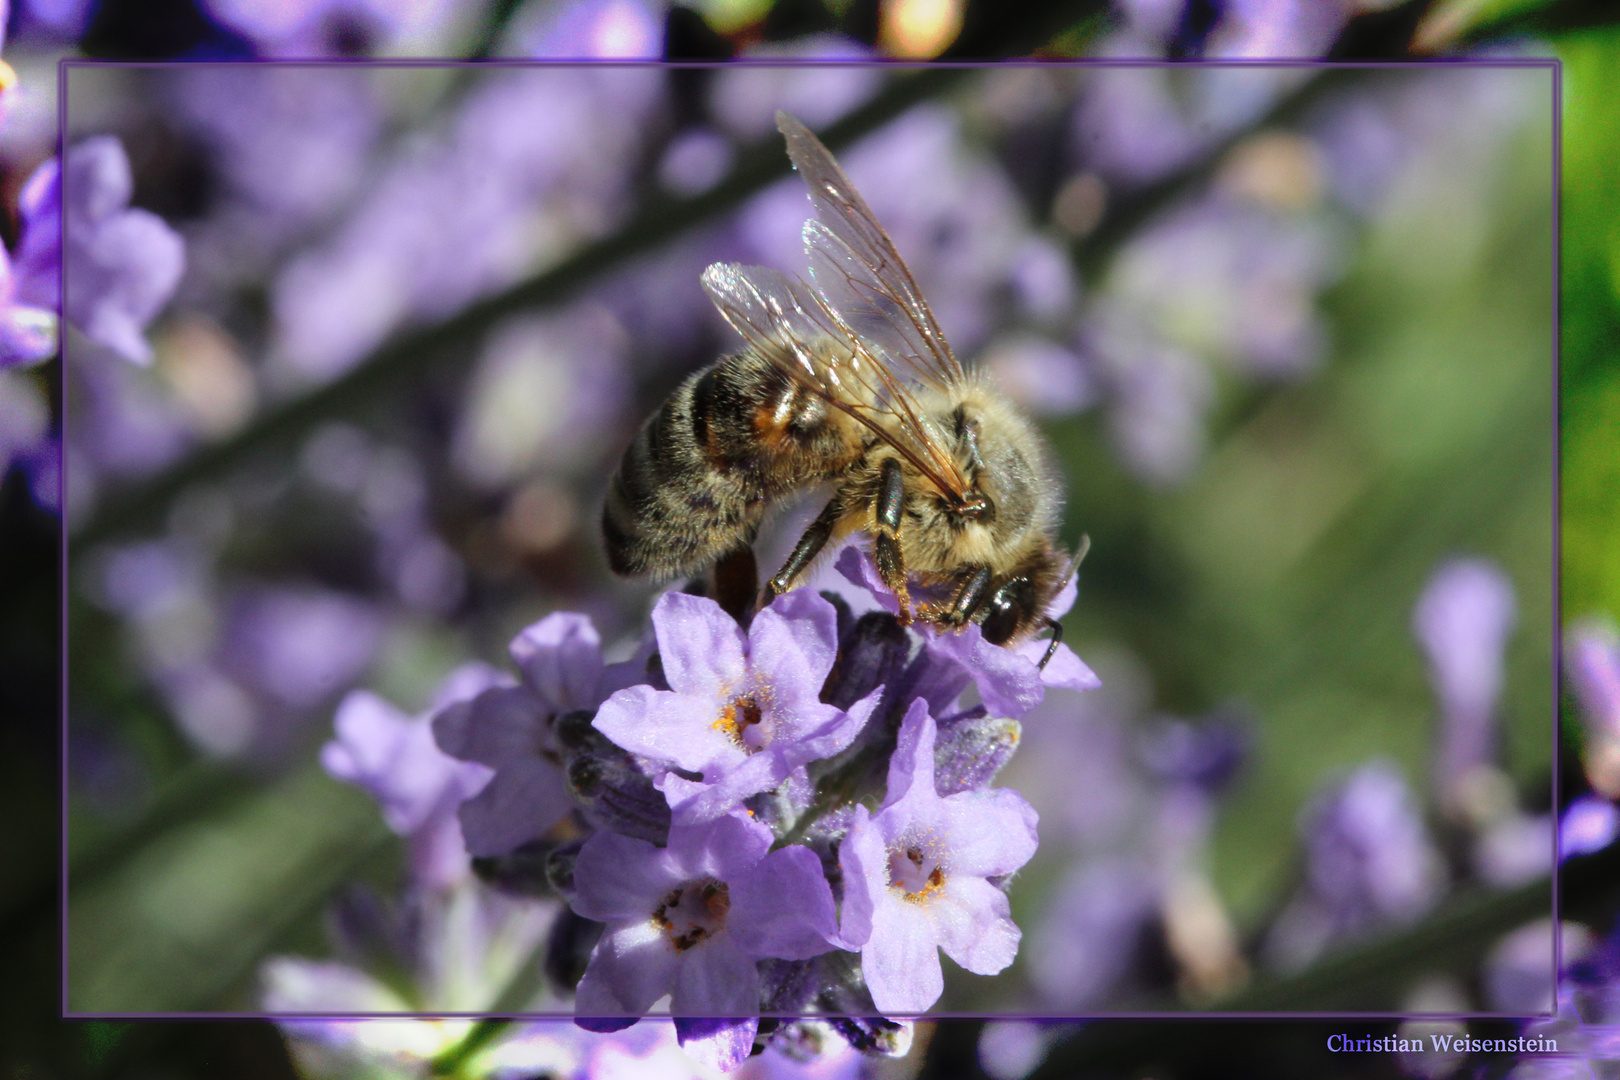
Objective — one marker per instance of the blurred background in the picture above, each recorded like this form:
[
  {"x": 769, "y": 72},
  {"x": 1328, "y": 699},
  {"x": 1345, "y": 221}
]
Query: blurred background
[{"x": 1290, "y": 332}]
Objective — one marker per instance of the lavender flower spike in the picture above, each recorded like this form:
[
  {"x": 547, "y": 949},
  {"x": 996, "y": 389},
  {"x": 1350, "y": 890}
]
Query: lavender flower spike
[
  {"x": 743, "y": 711},
  {"x": 120, "y": 264},
  {"x": 693, "y": 919},
  {"x": 916, "y": 877}
]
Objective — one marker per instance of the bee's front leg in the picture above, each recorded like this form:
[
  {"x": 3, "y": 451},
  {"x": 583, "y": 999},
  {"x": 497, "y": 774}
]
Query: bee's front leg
[
  {"x": 805, "y": 551},
  {"x": 887, "y": 512},
  {"x": 972, "y": 588}
]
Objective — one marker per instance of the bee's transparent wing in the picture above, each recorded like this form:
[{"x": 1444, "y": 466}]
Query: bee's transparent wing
[
  {"x": 855, "y": 268},
  {"x": 789, "y": 324}
]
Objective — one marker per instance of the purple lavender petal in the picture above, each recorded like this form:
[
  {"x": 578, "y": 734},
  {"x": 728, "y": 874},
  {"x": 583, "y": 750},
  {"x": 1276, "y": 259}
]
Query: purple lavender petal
[
  {"x": 715, "y": 979},
  {"x": 783, "y": 906},
  {"x": 990, "y": 833},
  {"x": 723, "y": 849},
  {"x": 701, "y": 647},
  {"x": 1009, "y": 683},
  {"x": 631, "y": 967},
  {"x": 38, "y": 265},
  {"x": 864, "y": 859},
  {"x": 974, "y": 924},
  {"x": 1065, "y": 670},
  {"x": 597, "y": 29},
  {"x": 497, "y": 727},
  {"x": 120, "y": 265},
  {"x": 669, "y": 726},
  {"x": 795, "y": 639},
  {"x": 618, "y": 878},
  {"x": 393, "y": 757},
  {"x": 901, "y": 961},
  {"x": 1589, "y": 824},
  {"x": 769, "y": 766},
  {"x": 1463, "y": 620},
  {"x": 717, "y": 1045},
  {"x": 561, "y": 658},
  {"x": 525, "y": 799}
]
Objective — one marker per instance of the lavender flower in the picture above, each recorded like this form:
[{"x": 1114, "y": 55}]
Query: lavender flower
[
  {"x": 1592, "y": 664},
  {"x": 29, "y": 281},
  {"x": 743, "y": 711},
  {"x": 120, "y": 264},
  {"x": 693, "y": 919},
  {"x": 917, "y": 876},
  {"x": 419, "y": 787},
  {"x": 1463, "y": 620},
  {"x": 1369, "y": 863},
  {"x": 594, "y": 29},
  {"x": 509, "y": 729}
]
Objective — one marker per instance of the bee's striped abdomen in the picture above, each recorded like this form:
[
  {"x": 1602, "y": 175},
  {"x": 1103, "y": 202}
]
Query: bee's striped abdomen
[{"x": 700, "y": 473}]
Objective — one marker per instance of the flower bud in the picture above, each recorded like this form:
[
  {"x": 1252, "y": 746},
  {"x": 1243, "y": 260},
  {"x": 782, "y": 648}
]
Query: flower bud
[{"x": 971, "y": 752}]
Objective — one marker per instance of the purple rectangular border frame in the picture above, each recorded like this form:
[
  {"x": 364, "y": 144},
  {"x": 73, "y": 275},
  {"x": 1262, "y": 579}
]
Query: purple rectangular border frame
[{"x": 1552, "y": 64}]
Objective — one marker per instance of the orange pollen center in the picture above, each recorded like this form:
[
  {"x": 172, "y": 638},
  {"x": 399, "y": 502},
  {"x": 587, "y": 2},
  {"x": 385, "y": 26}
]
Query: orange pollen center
[
  {"x": 915, "y": 873},
  {"x": 694, "y": 912},
  {"x": 737, "y": 718}
]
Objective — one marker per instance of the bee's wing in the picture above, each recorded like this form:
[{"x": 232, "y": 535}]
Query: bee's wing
[
  {"x": 855, "y": 268},
  {"x": 792, "y": 326}
]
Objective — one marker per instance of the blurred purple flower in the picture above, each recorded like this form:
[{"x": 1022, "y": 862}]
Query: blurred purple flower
[
  {"x": 743, "y": 711},
  {"x": 917, "y": 876},
  {"x": 30, "y": 280},
  {"x": 334, "y": 28},
  {"x": 1157, "y": 394},
  {"x": 549, "y": 392},
  {"x": 1042, "y": 376},
  {"x": 301, "y": 644},
  {"x": 1284, "y": 29},
  {"x": 1095, "y": 926},
  {"x": 1009, "y": 679},
  {"x": 1514, "y": 849},
  {"x": 1463, "y": 620},
  {"x": 1369, "y": 862},
  {"x": 290, "y": 145},
  {"x": 744, "y": 97},
  {"x": 119, "y": 264},
  {"x": 1589, "y": 824},
  {"x": 592, "y": 29},
  {"x": 691, "y": 920},
  {"x": 1519, "y": 975},
  {"x": 1592, "y": 665},
  {"x": 1010, "y": 1049},
  {"x": 1230, "y": 281},
  {"x": 535, "y": 162},
  {"x": 1135, "y": 124},
  {"x": 419, "y": 787}
]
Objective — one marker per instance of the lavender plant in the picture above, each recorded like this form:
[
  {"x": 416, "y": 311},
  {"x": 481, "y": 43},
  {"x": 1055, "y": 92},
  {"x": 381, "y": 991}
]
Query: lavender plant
[{"x": 790, "y": 817}]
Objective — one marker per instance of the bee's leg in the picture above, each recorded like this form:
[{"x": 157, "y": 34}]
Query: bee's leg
[
  {"x": 1052, "y": 643},
  {"x": 804, "y": 552},
  {"x": 886, "y": 515},
  {"x": 975, "y": 584}
]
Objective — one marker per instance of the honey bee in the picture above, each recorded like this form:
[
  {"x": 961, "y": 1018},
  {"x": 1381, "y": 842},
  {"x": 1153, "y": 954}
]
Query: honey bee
[{"x": 847, "y": 381}]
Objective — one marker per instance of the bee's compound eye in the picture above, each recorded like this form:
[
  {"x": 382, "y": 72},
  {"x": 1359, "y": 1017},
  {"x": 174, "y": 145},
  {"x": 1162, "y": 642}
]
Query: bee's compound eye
[{"x": 1010, "y": 607}]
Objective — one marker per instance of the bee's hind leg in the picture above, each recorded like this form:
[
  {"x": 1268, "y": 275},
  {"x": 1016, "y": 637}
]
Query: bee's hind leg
[
  {"x": 804, "y": 552},
  {"x": 887, "y": 511}
]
